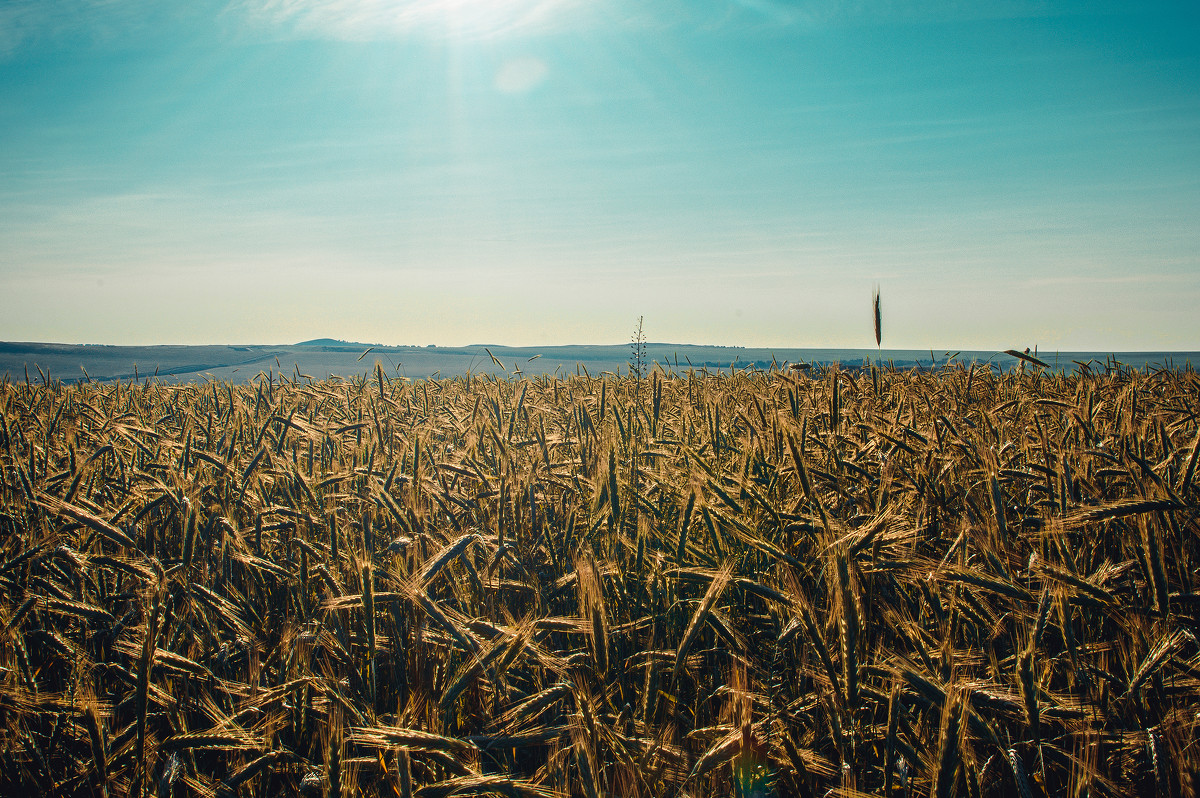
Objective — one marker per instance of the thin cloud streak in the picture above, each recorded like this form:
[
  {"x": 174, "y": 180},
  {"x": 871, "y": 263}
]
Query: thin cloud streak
[
  {"x": 28, "y": 25},
  {"x": 367, "y": 20},
  {"x": 1129, "y": 279},
  {"x": 31, "y": 23}
]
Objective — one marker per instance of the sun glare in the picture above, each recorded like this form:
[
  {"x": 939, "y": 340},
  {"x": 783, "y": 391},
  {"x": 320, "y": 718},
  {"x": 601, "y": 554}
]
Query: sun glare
[{"x": 480, "y": 17}]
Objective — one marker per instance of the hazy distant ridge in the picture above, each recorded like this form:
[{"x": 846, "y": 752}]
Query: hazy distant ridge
[{"x": 324, "y": 357}]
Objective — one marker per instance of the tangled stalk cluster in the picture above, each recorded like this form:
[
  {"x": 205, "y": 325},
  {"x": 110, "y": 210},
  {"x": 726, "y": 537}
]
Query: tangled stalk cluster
[{"x": 889, "y": 583}]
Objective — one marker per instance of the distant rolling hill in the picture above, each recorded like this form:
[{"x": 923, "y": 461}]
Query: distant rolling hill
[{"x": 325, "y": 357}]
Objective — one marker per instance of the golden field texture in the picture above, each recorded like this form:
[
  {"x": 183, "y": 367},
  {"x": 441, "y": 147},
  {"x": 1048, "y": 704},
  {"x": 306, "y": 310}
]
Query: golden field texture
[{"x": 886, "y": 583}]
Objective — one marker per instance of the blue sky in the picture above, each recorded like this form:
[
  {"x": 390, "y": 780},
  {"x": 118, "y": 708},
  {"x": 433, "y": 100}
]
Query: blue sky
[{"x": 739, "y": 172}]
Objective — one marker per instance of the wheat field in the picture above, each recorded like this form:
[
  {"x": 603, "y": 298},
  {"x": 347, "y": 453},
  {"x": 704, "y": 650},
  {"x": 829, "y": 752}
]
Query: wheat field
[{"x": 876, "y": 582}]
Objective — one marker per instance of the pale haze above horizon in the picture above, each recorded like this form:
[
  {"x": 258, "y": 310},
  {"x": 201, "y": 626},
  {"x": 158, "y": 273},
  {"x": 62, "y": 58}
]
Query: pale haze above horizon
[{"x": 538, "y": 172}]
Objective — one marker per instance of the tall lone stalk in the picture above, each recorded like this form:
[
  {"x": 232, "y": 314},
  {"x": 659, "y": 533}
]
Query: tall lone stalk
[
  {"x": 637, "y": 357},
  {"x": 878, "y": 325}
]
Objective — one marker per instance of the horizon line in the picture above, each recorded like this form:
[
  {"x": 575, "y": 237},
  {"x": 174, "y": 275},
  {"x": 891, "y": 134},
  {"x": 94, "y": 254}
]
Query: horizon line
[{"x": 344, "y": 343}]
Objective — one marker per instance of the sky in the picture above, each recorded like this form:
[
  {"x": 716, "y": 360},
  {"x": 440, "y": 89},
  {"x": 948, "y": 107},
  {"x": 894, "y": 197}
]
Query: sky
[{"x": 534, "y": 172}]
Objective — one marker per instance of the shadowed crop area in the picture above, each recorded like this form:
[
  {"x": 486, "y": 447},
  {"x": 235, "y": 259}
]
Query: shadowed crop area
[{"x": 900, "y": 583}]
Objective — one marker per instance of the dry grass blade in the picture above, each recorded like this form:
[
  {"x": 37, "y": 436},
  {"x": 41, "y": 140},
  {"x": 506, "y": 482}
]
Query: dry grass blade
[
  {"x": 1157, "y": 657},
  {"x": 460, "y": 635},
  {"x": 585, "y": 761},
  {"x": 974, "y": 577},
  {"x": 254, "y": 767},
  {"x": 528, "y": 710},
  {"x": 485, "y": 785},
  {"x": 723, "y": 751},
  {"x": 448, "y": 553},
  {"x": 848, "y": 622},
  {"x": 889, "y": 744},
  {"x": 947, "y": 762},
  {"x": 1027, "y": 358},
  {"x": 65, "y": 509},
  {"x": 715, "y": 589},
  {"x": 92, "y": 613},
  {"x": 413, "y": 739},
  {"x": 1118, "y": 509},
  {"x": 1085, "y": 586},
  {"x": 1185, "y": 479},
  {"x": 201, "y": 740},
  {"x": 99, "y": 743}
]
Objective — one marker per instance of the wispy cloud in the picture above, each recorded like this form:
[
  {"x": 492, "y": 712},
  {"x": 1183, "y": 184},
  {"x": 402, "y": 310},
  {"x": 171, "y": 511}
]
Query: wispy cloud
[
  {"x": 819, "y": 14},
  {"x": 1081, "y": 280},
  {"x": 26, "y": 22},
  {"x": 380, "y": 19},
  {"x": 31, "y": 24},
  {"x": 779, "y": 12},
  {"x": 938, "y": 10},
  {"x": 15, "y": 23}
]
